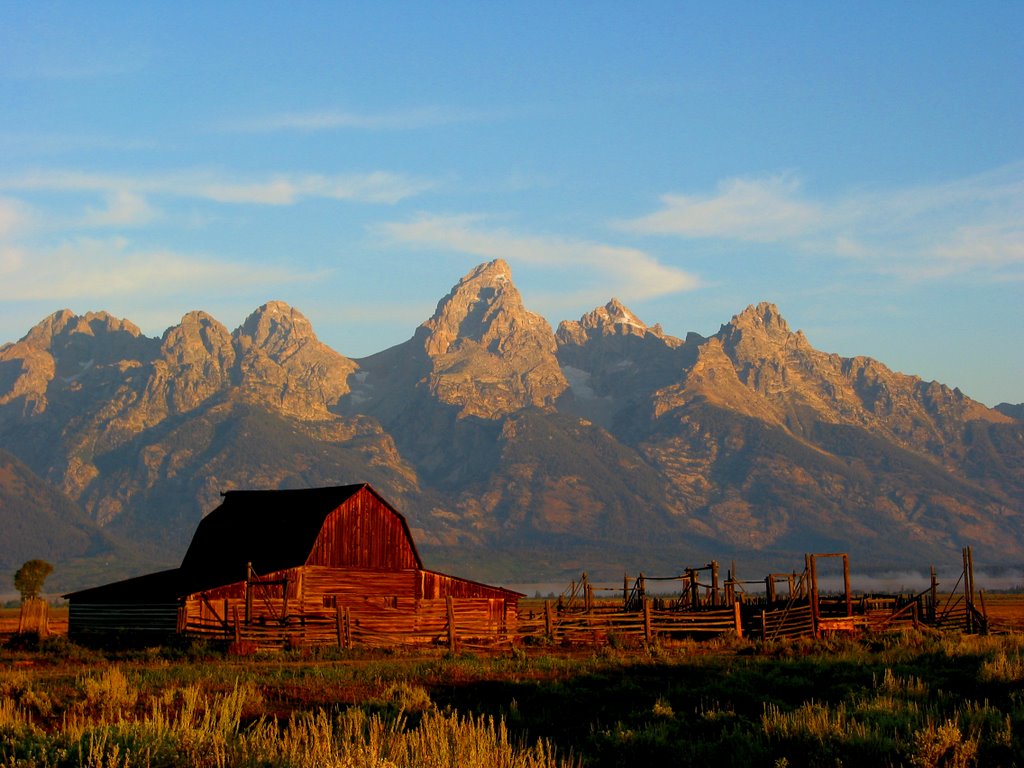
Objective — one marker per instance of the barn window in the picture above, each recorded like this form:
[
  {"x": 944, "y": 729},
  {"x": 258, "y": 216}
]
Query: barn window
[{"x": 330, "y": 601}]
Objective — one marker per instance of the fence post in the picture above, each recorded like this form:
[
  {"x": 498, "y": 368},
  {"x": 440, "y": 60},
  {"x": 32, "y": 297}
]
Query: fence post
[
  {"x": 933, "y": 600},
  {"x": 714, "y": 583},
  {"x": 737, "y": 618},
  {"x": 648, "y": 633},
  {"x": 348, "y": 629},
  {"x": 338, "y": 627},
  {"x": 248, "y": 593},
  {"x": 451, "y": 624},
  {"x": 764, "y": 625},
  {"x": 547, "y": 620}
]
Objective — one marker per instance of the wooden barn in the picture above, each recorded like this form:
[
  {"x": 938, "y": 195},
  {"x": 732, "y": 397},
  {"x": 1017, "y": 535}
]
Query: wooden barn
[{"x": 319, "y": 566}]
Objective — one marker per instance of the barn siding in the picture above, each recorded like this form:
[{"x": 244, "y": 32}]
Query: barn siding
[
  {"x": 364, "y": 533},
  {"x": 435, "y": 585},
  {"x": 138, "y": 622}
]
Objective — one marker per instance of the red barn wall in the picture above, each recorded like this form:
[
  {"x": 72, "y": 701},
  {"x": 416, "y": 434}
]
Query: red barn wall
[{"x": 364, "y": 533}]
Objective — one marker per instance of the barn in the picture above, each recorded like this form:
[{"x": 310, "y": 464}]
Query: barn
[{"x": 317, "y": 566}]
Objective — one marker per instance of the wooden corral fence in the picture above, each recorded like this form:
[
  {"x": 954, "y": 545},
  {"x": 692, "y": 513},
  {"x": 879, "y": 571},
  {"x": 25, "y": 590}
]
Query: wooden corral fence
[
  {"x": 785, "y": 606},
  {"x": 452, "y": 622}
]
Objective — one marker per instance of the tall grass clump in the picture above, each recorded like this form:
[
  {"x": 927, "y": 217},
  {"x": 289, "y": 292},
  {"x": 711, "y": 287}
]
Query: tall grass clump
[{"x": 202, "y": 730}]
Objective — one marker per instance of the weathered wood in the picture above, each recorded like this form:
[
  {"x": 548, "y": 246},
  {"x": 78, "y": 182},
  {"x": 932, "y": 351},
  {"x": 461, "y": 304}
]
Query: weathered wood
[
  {"x": 648, "y": 633},
  {"x": 33, "y": 617},
  {"x": 738, "y": 619},
  {"x": 452, "y": 634}
]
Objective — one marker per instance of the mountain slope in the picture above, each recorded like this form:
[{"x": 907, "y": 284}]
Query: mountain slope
[{"x": 514, "y": 451}]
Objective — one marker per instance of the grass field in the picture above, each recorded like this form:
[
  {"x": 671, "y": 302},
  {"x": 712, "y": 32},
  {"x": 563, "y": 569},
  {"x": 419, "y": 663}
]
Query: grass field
[{"x": 900, "y": 699}]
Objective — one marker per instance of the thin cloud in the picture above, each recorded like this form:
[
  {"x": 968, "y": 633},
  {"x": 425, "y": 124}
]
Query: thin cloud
[
  {"x": 280, "y": 189},
  {"x": 123, "y": 209},
  {"x": 970, "y": 225},
  {"x": 335, "y": 119},
  {"x": 15, "y": 216},
  {"x": 634, "y": 274},
  {"x": 760, "y": 210},
  {"x": 104, "y": 268}
]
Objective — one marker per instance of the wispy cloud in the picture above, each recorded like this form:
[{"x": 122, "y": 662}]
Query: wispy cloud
[
  {"x": 630, "y": 273},
  {"x": 975, "y": 224},
  {"x": 337, "y": 119},
  {"x": 122, "y": 209},
  {"x": 15, "y": 217},
  {"x": 278, "y": 189},
  {"x": 88, "y": 268},
  {"x": 762, "y": 210}
]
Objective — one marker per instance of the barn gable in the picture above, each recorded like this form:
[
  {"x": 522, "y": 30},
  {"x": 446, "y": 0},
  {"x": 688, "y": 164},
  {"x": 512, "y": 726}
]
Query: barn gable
[{"x": 344, "y": 526}]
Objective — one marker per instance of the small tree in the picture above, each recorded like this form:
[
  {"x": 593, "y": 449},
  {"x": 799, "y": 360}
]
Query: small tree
[{"x": 30, "y": 577}]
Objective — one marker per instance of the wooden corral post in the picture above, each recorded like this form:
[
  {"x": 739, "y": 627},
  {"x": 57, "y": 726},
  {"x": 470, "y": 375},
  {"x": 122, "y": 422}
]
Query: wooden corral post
[
  {"x": 968, "y": 589},
  {"x": 248, "y": 593},
  {"x": 714, "y": 583},
  {"x": 339, "y": 627},
  {"x": 737, "y": 617},
  {"x": 348, "y": 628},
  {"x": 769, "y": 589},
  {"x": 643, "y": 587},
  {"x": 846, "y": 584},
  {"x": 547, "y": 620},
  {"x": 625, "y": 591},
  {"x": 806, "y": 589},
  {"x": 589, "y": 597},
  {"x": 238, "y": 627},
  {"x": 452, "y": 634},
  {"x": 648, "y": 631},
  {"x": 284, "y": 601},
  {"x": 984, "y": 612},
  {"x": 691, "y": 575},
  {"x": 933, "y": 599},
  {"x": 764, "y": 625},
  {"x": 813, "y": 574}
]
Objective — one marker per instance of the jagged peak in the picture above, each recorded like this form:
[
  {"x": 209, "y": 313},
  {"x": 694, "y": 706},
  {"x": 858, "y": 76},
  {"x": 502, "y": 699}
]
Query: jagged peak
[
  {"x": 483, "y": 304},
  {"x": 498, "y": 269},
  {"x": 197, "y": 327},
  {"x": 276, "y": 320},
  {"x": 617, "y": 313},
  {"x": 763, "y": 315},
  {"x": 66, "y": 321}
]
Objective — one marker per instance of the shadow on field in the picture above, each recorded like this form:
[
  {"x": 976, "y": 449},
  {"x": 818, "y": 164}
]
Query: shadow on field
[{"x": 716, "y": 712}]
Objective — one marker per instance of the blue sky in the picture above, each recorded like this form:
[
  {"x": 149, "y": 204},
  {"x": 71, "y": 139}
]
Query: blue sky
[{"x": 861, "y": 165}]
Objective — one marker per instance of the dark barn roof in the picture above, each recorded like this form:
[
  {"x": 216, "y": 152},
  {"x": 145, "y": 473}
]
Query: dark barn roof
[{"x": 153, "y": 588}]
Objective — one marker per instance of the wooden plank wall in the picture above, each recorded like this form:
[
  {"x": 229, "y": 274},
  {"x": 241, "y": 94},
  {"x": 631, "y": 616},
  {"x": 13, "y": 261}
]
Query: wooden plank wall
[
  {"x": 155, "y": 620},
  {"x": 364, "y": 533}
]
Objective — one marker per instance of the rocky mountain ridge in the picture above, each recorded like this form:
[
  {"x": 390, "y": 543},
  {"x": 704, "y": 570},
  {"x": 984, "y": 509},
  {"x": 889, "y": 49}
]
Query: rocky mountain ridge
[{"x": 515, "y": 450}]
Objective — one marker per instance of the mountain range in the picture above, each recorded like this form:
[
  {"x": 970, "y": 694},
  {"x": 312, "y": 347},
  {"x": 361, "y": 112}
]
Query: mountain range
[{"x": 518, "y": 452}]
